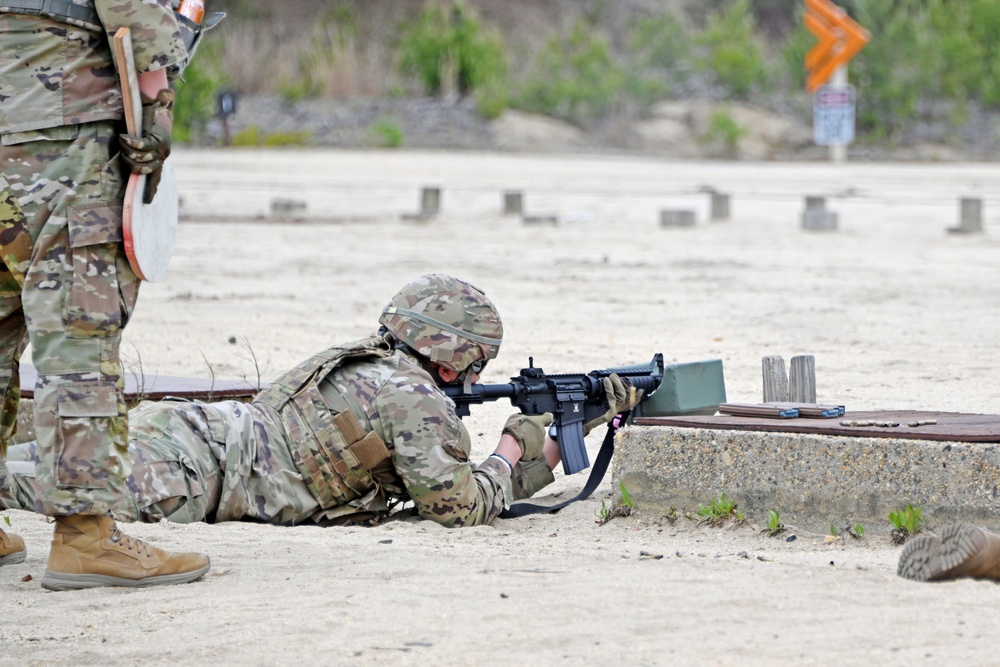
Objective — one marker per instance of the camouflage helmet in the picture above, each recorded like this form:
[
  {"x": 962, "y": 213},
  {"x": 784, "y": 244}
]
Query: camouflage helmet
[{"x": 445, "y": 320}]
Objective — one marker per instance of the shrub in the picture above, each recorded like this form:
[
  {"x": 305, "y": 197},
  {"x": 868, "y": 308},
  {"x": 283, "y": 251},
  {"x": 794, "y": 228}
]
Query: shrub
[
  {"x": 197, "y": 91},
  {"x": 723, "y": 129},
  {"x": 387, "y": 133},
  {"x": 574, "y": 77},
  {"x": 893, "y": 70},
  {"x": 447, "y": 48},
  {"x": 659, "y": 50},
  {"x": 732, "y": 51}
]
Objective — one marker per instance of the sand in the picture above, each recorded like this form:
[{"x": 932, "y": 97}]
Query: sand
[{"x": 898, "y": 313}]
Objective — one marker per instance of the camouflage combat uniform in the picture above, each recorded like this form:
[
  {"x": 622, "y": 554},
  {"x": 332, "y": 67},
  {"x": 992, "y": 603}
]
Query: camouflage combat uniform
[
  {"x": 340, "y": 438},
  {"x": 65, "y": 283}
]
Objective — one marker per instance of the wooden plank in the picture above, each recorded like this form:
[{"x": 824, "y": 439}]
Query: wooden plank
[
  {"x": 155, "y": 387},
  {"x": 775, "y": 379},
  {"x": 946, "y": 426},
  {"x": 129, "y": 81}
]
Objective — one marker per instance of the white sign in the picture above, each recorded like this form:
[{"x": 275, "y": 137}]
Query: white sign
[{"x": 833, "y": 115}]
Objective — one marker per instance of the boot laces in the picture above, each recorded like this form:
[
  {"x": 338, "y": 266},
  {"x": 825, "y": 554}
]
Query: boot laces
[{"x": 130, "y": 543}]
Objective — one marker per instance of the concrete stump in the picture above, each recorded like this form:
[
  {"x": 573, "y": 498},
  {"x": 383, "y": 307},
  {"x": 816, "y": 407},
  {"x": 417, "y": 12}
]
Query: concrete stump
[
  {"x": 430, "y": 205},
  {"x": 816, "y": 216},
  {"x": 513, "y": 203},
  {"x": 719, "y": 206},
  {"x": 970, "y": 216}
]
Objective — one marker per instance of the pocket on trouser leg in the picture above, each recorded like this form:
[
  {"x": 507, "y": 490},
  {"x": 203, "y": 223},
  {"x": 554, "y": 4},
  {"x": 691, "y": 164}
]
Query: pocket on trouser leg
[
  {"x": 91, "y": 422},
  {"x": 103, "y": 291},
  {"x": 170, "y": 490}
]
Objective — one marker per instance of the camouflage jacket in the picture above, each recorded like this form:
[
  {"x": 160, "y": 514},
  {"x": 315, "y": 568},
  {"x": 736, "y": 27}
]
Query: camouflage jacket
[
  {"x": 54, "y": 74},
  {"x": 391, "y": 398}
]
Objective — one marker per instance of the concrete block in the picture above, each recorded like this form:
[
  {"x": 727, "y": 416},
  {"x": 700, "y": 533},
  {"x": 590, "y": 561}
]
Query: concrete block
[
  {"x": 677, "y": 218},
  {"x": 541, "y": 219},
  {"x": 812, "y": 480},
  {"x": 286, "y": 207}
]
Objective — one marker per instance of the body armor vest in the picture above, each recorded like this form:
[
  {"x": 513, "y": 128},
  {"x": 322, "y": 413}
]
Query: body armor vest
[
  {"x": 338, "y": 458},
  {"x": 75, "y": 12},
  {"x": 83, "y": 14}
]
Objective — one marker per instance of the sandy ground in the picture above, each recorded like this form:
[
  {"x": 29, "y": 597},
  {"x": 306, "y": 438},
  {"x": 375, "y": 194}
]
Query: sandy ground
[{"x": 898, "y": 313}]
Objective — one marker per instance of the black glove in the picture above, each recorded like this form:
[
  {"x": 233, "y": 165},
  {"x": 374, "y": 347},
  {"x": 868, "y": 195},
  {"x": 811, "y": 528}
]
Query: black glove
[{"x": 145, "y": 154}]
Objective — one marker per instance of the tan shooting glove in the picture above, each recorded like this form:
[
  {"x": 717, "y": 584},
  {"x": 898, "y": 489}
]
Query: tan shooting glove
[
  {"x": 622, "y": 396},
  {"x": 529, "y": 431},
  {"x": 145, "y": 154}
]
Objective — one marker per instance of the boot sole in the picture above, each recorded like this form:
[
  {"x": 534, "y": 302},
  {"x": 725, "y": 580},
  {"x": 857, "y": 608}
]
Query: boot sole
[
  {"x": 932, "y": 557},
  {"x": 921, "y": 559},
  {"x": 61, "y": 581},
  {"x": 16, "y": 557}
]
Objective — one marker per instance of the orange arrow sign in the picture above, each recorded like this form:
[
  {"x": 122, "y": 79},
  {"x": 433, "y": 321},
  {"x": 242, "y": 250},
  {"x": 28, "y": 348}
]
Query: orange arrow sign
[{"x": 840, "y": 39}]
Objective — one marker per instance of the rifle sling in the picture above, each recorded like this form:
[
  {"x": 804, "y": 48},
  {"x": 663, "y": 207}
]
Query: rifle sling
[{"x": 596, "y": 475}]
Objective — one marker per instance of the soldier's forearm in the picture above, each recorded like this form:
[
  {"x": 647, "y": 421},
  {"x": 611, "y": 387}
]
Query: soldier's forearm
[{"x": 150, "y": 83}]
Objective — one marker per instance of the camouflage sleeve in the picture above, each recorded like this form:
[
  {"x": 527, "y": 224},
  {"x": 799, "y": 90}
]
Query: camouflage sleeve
[
  {"x": 431, "y": 454},
  {"x": 156, "y": 37}
]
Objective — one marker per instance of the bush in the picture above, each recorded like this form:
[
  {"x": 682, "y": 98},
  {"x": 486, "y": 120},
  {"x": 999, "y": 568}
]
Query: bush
[
  {"x": 723, "y": 129},
  {"x": 387, "y": 133},
  {"x": 659, "y": 51},
  {"x": 197, "y": 92},
  {"x": 969, "y": 56},
  {"x": 574, "y": 77},
  {"x": 732, "y": 51},
  {"x": 447, "y": 49},
  {"x": 893, "y": 71}
]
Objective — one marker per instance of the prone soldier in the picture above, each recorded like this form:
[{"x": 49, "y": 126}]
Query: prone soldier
[{"x": 348, "y": 434}]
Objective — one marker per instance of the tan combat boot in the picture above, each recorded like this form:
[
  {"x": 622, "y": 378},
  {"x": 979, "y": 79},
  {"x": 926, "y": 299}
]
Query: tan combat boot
[
  {"x": 11, "y": 549},
  {"x": 961, "y": 550},
  {"x": 89, "y": 551}
]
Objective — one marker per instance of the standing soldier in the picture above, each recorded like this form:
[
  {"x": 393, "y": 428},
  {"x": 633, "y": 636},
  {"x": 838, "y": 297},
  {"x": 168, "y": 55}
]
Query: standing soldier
[{"x": 65, "y": 283}]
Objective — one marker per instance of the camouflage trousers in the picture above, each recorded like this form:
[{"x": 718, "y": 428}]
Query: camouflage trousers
[
  {"x": 67, "y": 289},
  {"x": 194, "y": 461}
]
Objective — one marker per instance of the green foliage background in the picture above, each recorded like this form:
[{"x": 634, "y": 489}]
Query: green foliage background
[{"x": 586, "y": 61}]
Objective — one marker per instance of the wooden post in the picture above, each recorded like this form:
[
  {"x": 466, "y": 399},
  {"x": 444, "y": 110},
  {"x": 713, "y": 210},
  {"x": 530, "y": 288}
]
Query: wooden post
[
  {"x": 775, "y": 379},
  {"x": 970, "y": 216},
  {"x": 802, "y": 379},
  {"x": 513, "y": 203},
  {"x": 430, "y": 202},
  {"x": 719, "y": 206},
  {"x": 430, "y": 205}
]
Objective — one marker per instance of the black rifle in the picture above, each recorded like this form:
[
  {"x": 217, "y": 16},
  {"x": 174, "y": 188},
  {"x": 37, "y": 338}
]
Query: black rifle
[{"x": 573, "y": 399}]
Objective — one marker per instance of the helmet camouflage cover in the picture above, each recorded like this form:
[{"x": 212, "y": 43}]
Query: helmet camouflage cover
[{"x": 446, "y": 320}]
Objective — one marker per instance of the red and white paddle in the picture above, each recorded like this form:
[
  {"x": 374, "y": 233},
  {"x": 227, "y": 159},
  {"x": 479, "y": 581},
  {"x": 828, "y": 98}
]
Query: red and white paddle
[{"x": 149, "y": 229}]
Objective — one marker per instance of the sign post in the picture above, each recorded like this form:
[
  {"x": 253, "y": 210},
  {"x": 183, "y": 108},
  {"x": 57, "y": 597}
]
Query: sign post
[{"x": 840, "y": 38}]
